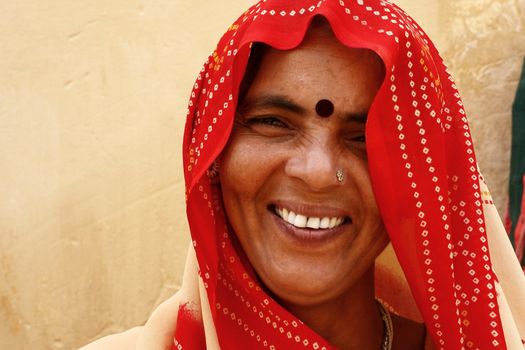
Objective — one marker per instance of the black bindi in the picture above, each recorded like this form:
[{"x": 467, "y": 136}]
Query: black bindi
[{"x": 324, "y": 108}]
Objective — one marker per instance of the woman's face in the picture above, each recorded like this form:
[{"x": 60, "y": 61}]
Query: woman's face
[{"x": 278, "y": 171}]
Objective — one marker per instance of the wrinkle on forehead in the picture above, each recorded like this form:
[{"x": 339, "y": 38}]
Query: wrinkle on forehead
[
  {"x": 320, "y": 40},
  {"x": 321, "y": 67},
  {"x": 320, "y": 29}
]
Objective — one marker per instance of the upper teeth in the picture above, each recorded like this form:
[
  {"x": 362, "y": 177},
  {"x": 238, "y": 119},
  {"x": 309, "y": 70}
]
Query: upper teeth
[{"x": 313, "y": 222}]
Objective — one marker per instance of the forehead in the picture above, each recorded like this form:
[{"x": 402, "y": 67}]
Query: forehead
[
  {"x": 319, "y": 55},
  {"x": 320, "y": 68}
]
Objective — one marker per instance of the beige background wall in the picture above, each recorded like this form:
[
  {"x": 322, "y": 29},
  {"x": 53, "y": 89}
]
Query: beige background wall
[{"x": 92, "y": 105}]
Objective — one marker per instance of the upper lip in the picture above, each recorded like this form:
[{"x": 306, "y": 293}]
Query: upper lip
[{"x": 312, "y": 210}]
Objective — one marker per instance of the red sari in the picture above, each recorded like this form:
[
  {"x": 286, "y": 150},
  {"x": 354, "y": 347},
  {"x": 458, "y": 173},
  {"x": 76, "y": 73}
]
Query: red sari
[{"x": 424, "y": 174}]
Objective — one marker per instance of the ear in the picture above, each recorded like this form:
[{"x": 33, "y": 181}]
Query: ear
[{"x": 213, "y": 172}]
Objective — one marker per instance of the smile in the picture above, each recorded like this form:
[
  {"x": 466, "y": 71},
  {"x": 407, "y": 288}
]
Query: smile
[{"x": 303, "y": 221}]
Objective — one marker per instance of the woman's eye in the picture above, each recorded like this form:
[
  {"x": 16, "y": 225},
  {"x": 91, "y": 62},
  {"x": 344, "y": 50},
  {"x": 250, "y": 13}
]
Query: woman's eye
[
  {"x": 360, "y": 138},
  {"x": 267, "y": 125},
  {"x": 355, "y": 138},
  {"x": 357, "y": 144},
  {"x": 270, "y": 121}
]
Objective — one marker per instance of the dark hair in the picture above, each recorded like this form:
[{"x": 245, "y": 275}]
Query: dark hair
[{"x": 252, "y": 68}]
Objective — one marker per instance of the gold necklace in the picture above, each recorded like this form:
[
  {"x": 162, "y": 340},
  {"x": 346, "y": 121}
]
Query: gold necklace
[{"x": 389, "y": 329}]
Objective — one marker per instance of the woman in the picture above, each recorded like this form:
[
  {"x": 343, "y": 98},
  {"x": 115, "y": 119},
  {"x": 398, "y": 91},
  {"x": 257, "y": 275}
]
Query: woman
[{"x": 305, "y": 152}]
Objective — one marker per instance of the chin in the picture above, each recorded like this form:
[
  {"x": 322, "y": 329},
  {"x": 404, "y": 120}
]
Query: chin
[{"x": 315, "y": 288}]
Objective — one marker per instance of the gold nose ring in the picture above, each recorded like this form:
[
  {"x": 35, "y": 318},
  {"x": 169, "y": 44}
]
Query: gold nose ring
[{"x": 340, "y": 175}]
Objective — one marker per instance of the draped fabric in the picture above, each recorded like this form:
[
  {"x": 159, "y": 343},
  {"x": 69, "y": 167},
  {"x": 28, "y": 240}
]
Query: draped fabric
[
  {"x": 516, "y": 210},
  {"x": 433, "y": 202}
]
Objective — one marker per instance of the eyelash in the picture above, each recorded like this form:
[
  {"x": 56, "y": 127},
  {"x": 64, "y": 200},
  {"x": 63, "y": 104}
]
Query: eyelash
[
  {"x": 277, "y": 123},
  {"x": 361, "y": 138},
  {"x": 270, "y": 121}
]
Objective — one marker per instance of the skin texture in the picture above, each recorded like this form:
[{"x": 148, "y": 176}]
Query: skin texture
[{"x": 281, "y": 153}]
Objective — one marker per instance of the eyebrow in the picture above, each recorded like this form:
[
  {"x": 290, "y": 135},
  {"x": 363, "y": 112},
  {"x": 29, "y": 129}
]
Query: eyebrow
[
  {"x": 361, "y": 117},
  {"x": 287, "y": 104},
  {"x": 272, "y": 101}
]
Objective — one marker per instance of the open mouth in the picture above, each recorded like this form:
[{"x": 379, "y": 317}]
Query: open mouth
[{"x": 302, "y": 221}]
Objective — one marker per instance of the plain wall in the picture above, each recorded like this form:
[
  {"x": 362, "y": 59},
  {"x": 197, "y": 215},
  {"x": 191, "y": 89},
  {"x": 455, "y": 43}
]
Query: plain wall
[{"x": 92, "y": 105}]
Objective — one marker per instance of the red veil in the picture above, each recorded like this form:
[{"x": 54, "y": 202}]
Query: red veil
[{"x": 424, "y": 175}]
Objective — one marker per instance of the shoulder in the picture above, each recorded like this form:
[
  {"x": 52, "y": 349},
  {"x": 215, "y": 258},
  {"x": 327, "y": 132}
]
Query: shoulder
[
  {"x": 157, "y": 333},
  {"x": 122, "y": 341}
]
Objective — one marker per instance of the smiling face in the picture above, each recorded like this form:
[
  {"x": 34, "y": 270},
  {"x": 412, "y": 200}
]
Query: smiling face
[{"x": 309, "y": 236}]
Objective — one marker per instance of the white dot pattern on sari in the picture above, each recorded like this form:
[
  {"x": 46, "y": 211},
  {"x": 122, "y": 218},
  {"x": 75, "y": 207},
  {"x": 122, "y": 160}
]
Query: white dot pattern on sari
[{"x": 435, "y": 168}]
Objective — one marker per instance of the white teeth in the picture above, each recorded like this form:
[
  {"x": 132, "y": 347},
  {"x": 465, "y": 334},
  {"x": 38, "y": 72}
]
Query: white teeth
[
  {"x": 290, "y": 218},
  {"x": 313, "y": 223},
  {"x": 302, "y": 221},
  {"x": 325, "y": 223}
]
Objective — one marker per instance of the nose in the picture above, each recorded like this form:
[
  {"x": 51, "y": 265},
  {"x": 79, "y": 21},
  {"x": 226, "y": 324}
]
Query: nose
[{"x": 315, "y": 164}]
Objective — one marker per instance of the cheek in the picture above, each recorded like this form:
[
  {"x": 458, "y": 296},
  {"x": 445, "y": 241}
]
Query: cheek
[
  {"x": 245, "y": 172},
  {"x": 245, "y": 177},
  {"x": 236, "y": 167},
  {"x": 368, "y": 219},
  {"x": 362, "y": 182},
  {"x": 246, "y": 165}
]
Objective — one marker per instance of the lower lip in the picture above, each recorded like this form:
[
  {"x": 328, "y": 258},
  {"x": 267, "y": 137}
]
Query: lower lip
[{"x": 307, "y": 235}]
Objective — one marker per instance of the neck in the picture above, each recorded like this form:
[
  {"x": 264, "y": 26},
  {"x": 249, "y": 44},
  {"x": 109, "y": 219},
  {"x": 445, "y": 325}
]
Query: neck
[{"x": 350, "y": 321}]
